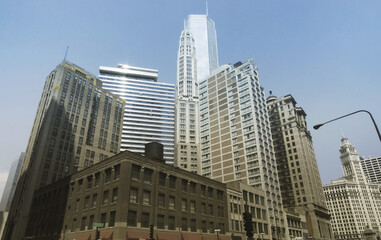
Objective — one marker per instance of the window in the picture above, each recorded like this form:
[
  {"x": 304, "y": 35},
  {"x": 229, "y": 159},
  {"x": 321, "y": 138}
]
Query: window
[
  {"x": 184, "y": 185},
  {"x": 171, "y": 223},
  {"x": 91, "y": 221},
  {"x": 111, "y": 221},
  {"x": 146, "y": 197},
  {"x": 171, "y": 202},
  {"x": 116, "y": 172},
  {"x": 203, "y": 226},
  {"x": 83, "y": 223},
  {"x": 192, "y": 187},
  {"x": 108, "y": 175},
  {"x": 133, "y": 195},
  {"x": 211, "y": 209},
  {"x": 172, "y": 182},
  {"x": 203, "y": 208},
  {"x": 193, "y": 225},
  {"x": 147, "y": 175},
  {"x": 114, "y": 195},
  {"x": 160, "y": 221},
  {"x": 131, "y": 218},
  {"x": 161, "y": 200},
  {"x": 184, "y": 224},
  {"x": 203, "y": 190},
  {"x": 96, "y": 182},
  {"x": 105, "y": 198},
  {"x": 145, "y": 220},
  {"x": 94, "y": 202},
  {"x": 184, "y": 206},
  {"x": 86, "y": 204},
  {"x": 135, "y": 172},
  {"x": 162, "y": 178},
  {"x": 192, "y": 206}
]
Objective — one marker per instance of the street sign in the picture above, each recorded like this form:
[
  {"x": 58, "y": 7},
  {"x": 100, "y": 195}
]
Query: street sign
[{"x": 101, "y": 225}]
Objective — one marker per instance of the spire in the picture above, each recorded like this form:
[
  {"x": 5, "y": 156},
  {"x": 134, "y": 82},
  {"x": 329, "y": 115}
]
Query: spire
[{"x": 206, "y": 7}]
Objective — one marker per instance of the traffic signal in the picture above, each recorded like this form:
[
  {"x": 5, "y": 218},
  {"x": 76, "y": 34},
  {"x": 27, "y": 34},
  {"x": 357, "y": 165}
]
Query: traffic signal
[
  {"x": 248, "y": 225},
  {"x": 151, "y": 232},
  {"x": 97, "y": 234}
]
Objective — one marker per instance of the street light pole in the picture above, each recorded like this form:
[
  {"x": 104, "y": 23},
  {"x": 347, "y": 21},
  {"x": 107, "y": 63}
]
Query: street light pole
[{"x": 317, "y": 126}]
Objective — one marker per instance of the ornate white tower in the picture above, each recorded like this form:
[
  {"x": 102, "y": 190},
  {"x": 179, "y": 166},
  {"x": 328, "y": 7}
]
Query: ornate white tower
[
  {"x": 187, "y": 143},
  {"x": 350, "y": 162}
]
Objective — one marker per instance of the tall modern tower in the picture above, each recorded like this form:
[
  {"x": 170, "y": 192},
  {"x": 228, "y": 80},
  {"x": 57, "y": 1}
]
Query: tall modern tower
[
  {"x": 149, "y": 109},
  {"x": 77, "y": 124},
  {"x": 354, "y": 204},
  {"x": 236, "y": 142},
  {"x": 204, "y": 33},
  {"x": 300, "y": 182},
  {"x": 196, "y": 58}
]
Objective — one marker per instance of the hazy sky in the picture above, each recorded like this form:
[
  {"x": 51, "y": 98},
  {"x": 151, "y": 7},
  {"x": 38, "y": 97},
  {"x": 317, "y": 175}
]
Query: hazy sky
[{"x": 327, "y": 54}]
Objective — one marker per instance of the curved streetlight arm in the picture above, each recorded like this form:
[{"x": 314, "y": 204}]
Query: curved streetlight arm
[{"x": 317, "y": 126}]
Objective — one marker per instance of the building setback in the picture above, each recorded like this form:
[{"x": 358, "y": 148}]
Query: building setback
[
  {"x": 236, "y": 142},
  {"x": 77, "y": 124},
  {"x": 354, "y": 204},
  {"x": 300, "y": 182},
  {"x": 149, "y": 108},
  {"x": 128, "y": 193}
]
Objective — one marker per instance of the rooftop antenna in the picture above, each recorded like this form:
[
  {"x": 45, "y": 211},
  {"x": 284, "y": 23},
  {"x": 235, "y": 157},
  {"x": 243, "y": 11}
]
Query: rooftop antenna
[
  {"x": 206, "y": 7},
  {"x": 67, "y": 48}
]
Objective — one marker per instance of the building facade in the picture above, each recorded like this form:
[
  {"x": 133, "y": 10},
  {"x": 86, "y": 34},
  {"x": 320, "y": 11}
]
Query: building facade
[
  {"x": 299, "y": 176},
  {"x": 127, "y": 193},
  {"x": 77, "y": 124},
  {"x": 149, "y": 108},
  {"x": 196, "y": 58},
  {"x": 10, "y": 185},
  {"x": 372, "y": 168},
  {"x": 187, "y": 128},
  {"x": 203, "y": 31},
  {"x": 354, "y": 204},
  {"x": 236, "y": 142}
]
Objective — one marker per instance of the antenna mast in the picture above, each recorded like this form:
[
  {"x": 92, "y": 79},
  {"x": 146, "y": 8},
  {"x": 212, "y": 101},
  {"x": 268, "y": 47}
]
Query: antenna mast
[
  {"x": 206, "y": 7},
  {"x": 67, "y": 48}
]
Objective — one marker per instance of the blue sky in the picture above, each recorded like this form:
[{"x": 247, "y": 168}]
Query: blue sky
[{"x": 327, "y": 54}]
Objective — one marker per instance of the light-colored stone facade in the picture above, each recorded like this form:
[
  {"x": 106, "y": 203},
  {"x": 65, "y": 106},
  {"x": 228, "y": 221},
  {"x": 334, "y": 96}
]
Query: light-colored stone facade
[
  {"x": 300, "y": 182},
  {"x": 354, "y": 204},
  {"x": 236, "y": 142}
]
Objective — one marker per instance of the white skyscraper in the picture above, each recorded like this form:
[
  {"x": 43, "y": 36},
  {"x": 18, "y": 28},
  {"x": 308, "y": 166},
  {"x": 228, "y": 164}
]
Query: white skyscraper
[
  {"x": 354, "y": 204},
  {"x": 205, "y": 37},
  {"x": 149, "y": 111},
  {"x": 197, "y": 57}
]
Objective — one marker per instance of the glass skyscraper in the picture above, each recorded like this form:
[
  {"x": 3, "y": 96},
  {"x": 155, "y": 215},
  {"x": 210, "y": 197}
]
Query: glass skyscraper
[
  {"x": 149, "y": 109},
  {"x": 205, "y": 37}
]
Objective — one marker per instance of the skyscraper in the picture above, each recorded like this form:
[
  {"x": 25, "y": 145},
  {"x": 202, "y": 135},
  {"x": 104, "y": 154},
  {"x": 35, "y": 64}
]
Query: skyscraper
[
  {"x": 77, "y": 124},
  {"x": 149, "y": 109},
  {"x": 10, "y": 186},
  {"x": 187, "y": 134},
  {"x": 353, "y": 203},
  {"x": 298, "y": 171},
  {"x": 236, "y": 142},
  {"x": 372, "y": 168},
  {"x": 204, "y": 33},
  {"x": 196, "y": 58}
]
